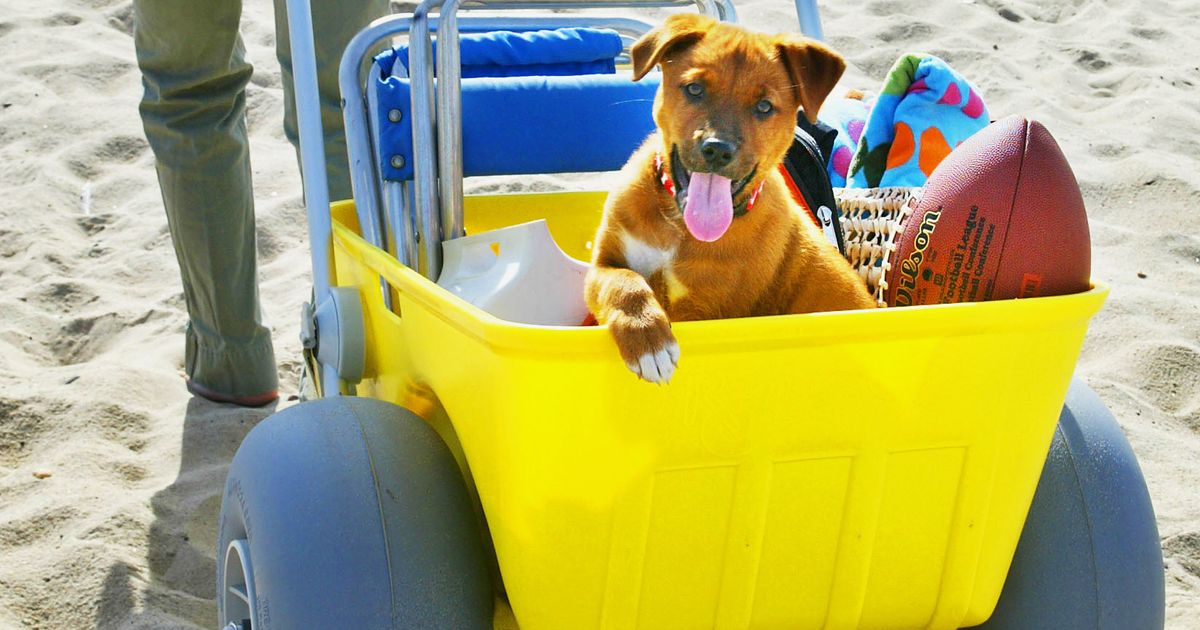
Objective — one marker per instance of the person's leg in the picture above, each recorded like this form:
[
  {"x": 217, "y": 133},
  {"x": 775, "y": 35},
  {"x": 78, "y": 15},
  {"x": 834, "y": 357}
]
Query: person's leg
[
  {"x": 193, "y": 111},
  {"x": 334, "y": 24}
]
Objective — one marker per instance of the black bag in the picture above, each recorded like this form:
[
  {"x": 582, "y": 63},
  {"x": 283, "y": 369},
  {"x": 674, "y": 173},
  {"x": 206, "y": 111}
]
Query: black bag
[{"x": 805, "y": 164}]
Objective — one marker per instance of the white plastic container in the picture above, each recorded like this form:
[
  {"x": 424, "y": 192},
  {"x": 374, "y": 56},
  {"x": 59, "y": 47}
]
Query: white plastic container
[{"x": 517, "y": 273}]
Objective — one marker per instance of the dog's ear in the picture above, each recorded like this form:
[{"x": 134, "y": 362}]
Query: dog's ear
[
  {"x": 814, "y": 68},
  {"x": 678, "y": 31}
]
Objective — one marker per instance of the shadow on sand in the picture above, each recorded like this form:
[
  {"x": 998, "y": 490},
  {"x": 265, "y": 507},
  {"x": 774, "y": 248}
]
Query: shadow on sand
[{"x": 180, "y": 589}]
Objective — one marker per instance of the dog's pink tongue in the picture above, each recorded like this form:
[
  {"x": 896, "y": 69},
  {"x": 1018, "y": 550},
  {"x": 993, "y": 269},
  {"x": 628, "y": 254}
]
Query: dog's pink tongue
[{"x": 709, "y": 207}]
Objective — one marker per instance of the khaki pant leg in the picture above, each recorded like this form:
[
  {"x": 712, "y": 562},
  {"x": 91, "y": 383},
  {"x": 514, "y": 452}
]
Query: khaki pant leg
[
  {"x": 334, "y": 24},
  {"x": 193, "y": 110}
]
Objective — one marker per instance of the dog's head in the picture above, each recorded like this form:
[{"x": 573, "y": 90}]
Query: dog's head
[{"x": 727, "y": 106}]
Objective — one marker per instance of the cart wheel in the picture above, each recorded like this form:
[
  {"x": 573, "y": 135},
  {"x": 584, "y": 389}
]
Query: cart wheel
[
  {"x": 1089, "y": 556},
  {"x": 348, "y": 513}
]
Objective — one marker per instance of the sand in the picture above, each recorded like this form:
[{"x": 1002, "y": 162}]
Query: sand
[{"x": 110, "y": 473}]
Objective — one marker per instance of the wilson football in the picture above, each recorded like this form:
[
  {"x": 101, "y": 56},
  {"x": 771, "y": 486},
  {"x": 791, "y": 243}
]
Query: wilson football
[{"x": 1001, "y": 217}]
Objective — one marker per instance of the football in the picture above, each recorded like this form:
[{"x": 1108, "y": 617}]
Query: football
[{"x": 1001, "y": 217}]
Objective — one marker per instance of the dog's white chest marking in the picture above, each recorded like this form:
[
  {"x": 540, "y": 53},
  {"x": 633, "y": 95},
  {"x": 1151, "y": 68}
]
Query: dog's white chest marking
[{"x": 643, "y": 257}]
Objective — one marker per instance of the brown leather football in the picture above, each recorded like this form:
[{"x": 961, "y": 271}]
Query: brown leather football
[{"x": 1001, "y": 217}]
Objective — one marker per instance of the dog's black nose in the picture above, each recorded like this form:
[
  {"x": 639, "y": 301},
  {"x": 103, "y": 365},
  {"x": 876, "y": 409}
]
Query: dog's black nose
[{"x": 717, "y": 153}]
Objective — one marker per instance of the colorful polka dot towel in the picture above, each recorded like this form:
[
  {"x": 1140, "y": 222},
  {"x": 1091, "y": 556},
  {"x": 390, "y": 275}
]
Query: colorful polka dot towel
[
  {"x": 849, "y": 117},
  {"x": 924, "y": 109}
]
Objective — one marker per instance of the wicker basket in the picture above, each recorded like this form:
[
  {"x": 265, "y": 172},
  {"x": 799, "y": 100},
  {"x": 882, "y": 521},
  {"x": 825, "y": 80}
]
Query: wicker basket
[{"x": 872, "y": 220}]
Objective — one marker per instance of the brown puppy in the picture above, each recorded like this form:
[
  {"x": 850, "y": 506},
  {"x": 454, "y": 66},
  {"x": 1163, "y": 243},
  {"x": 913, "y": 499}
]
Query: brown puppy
[{"x": 720, "y": 236}]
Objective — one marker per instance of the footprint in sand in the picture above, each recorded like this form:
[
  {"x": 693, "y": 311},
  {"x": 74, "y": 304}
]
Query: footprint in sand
[
  {"x": 16, "y": 174},
  {"x": 86, "y": 170},
  {"x": 99, "y": 4},
  {"x": 887, "y": 8},
  {"x": 121, "y": 425},
  {"x": 11, "y": 243},
  {"x": 907, "y": 32},
  {"x": 129, "y": 473},
  {"x": 1003, "y": 10},
  {"x": 1184, "y": 548},
  {"x": 120, "y": 529},
  {"x": 1148, "y": 33},
  {"x": 121, "y": 149},
  {"x": 1109, "y": 150},
  {"x": 83, "y": 338},
  {"x": 58, "y": 296},
  {"x": 23, "y": 424},
  {"x": 1184, "y": 246},
  {"x": 95, "y": 223},
  {"x": 1169, "y": 377},
  {"x": 62, "y": 19},
  {"x": 122, "y": 19},
  {"x": 99, "y": 74},
  {"x": 33, "y": 526},
  {"x": 1090, "y": 60}
]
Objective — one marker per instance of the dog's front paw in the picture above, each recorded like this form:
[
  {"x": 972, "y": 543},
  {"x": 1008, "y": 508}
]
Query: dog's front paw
[{"x": 647, "y": 345}]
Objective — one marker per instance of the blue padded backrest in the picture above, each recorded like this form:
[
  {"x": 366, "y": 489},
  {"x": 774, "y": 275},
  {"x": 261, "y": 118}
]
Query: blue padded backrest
[
  {"x": 564, "y": 51},
  {"x": 528, "y": 125},
  {"x": 515, "y": 123}
]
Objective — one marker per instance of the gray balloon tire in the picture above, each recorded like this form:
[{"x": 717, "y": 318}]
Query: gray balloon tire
[
  {"x": 1089, "y": 555},
  {"x": 356, "y": 516}
]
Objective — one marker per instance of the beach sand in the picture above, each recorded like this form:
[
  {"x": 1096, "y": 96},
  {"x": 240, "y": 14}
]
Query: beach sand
[{"x": 111, "y": 474}]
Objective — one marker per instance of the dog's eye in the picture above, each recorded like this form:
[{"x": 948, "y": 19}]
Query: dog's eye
[
  {"x": 764, "y": 107},
  {"x": 694, "y": 90}
]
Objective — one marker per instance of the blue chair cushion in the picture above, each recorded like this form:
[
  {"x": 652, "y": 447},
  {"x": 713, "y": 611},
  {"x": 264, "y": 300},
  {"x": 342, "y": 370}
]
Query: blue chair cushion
[
  {"x": 564, "y": 51},
  {"x": 529, "y": 125}
]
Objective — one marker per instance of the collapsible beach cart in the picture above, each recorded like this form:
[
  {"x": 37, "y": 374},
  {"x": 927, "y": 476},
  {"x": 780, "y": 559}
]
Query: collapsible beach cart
[{"x": 463, "y": 469}]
